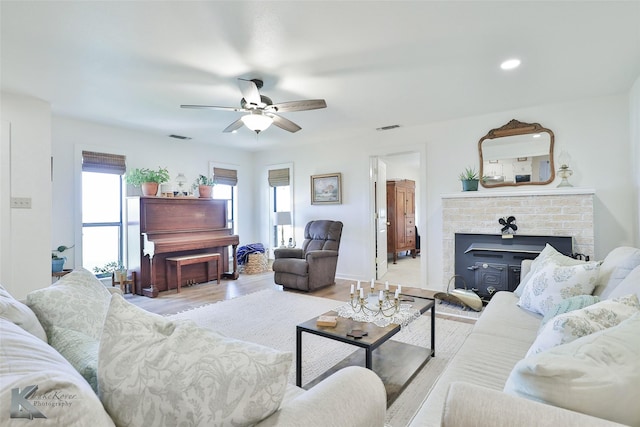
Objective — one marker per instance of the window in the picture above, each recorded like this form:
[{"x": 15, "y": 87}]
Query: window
[
  {"x": 225, "y": 187},
  {"x": 281, "y": 201},
  {"x": 102, "y": 230}
]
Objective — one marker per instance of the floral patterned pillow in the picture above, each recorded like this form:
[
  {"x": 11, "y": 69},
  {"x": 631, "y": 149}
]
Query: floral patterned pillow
[
  {"x": 78, "y": 301},
  {"x": 156, "y": 372},
  {"x": 549, "y": 255},
  {"x": 568, "y": 327},
  {"x": 551, "y": 283}
]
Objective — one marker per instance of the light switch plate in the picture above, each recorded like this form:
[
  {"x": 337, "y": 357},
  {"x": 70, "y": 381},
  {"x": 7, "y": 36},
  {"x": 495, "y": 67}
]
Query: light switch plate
[{"x": 21, "y": 202}]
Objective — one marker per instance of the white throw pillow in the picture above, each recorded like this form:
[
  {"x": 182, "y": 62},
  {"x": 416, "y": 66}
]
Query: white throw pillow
[
  {"x": 598, "y": 374},
  {"x": 62, "y": 395},
  {"x": 615, "y": 267},
  {"x": 551, "y": 283},
  {"x": 548, "y": 255},
  {"x": 80, "y": 350},
  {"x": 78, "y": 301},
  {"x": 568, "y": 327},
  {"x": 16, "y": 312},
  {"x": 630, "y": 285},
  {"x": 155, "y": 372}
]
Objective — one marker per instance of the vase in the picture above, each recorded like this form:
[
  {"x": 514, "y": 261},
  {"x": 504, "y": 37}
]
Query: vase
[
  {"x": 470, "y": 185},
  {"x": 205, "y": 191},
  {"x": 149, "y": 188},
  {"x": 57, "y": 265}
]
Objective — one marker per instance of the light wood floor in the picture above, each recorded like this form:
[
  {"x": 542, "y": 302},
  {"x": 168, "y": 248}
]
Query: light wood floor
[{"x": 170, "y": 302}]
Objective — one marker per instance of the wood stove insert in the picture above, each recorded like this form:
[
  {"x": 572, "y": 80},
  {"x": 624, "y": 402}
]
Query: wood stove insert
[{"x": 489, "y": 263}]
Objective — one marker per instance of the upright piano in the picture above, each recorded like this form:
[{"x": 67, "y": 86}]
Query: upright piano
[{"x": 161, "y": 227}]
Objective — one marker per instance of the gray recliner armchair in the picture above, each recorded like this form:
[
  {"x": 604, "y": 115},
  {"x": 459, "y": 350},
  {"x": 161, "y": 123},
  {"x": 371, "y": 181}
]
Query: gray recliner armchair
[{"x": 313, "y": 266}]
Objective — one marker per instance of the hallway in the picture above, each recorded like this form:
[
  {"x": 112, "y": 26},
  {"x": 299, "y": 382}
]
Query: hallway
[{"x": 406, "y": 272}]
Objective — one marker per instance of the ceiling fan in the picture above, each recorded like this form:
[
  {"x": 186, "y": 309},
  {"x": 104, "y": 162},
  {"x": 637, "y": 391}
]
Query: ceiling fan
[{"x": 261, "y": 111}]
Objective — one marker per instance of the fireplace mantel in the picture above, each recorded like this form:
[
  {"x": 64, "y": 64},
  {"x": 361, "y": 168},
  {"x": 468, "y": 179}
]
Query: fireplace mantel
[{"x": 565, "y": 191}]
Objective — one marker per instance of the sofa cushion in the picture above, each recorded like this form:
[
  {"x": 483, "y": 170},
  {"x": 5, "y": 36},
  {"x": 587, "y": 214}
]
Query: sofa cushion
[
  {"x": 16, "y": 312},
  {"x": 62, "y": 395},
  {"x": 550, "y": 283},
  {"x": 629, "y": 285},
  {"x": 502, "y": 317},
  {"x": 570, "y": 326},
  {"x": 598, "y": 374},
  {"x": 78, "y": 301},
  {"x": 80, "y": 350},
  {"x": 568, "y": 305},
  {"x": 153, "y": 371},
  {"x": 615, "y": 267}
]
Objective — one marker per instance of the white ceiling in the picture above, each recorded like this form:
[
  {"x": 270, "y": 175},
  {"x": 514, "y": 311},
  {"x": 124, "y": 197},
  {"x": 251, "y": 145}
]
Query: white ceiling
[{"x": 132, "y": 63}]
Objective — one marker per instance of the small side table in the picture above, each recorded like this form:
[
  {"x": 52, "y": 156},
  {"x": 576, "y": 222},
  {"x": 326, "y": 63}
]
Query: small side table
[
  {"x": 58, "y": 274},
  {"x": 131, "y": 281}
]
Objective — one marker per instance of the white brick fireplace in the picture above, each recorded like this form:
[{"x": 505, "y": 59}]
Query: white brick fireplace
[{"x": 552, "y": 212}]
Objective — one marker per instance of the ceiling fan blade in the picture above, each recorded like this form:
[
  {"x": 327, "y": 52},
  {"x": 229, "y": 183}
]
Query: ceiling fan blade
[
  {"x": 308, "y": 104},
  {"x": 214, "y": 107},
  {"x": 285, "y": 124},
  {"x": 250, "y": 92},
  {"x": 234, "y": 126}
]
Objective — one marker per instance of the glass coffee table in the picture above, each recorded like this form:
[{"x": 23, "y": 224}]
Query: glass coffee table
[{"x": 396, "y": 363}]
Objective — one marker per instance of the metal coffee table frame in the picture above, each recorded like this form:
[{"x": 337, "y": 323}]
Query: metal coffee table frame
[{"x": 396, "y": 363}]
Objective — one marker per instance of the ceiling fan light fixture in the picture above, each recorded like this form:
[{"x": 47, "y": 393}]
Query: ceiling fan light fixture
[{"x": 256, "y": 121}]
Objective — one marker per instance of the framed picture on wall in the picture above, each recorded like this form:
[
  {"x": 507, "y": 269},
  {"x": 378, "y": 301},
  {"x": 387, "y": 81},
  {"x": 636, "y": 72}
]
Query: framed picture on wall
[{"x": 326, "y": 189}]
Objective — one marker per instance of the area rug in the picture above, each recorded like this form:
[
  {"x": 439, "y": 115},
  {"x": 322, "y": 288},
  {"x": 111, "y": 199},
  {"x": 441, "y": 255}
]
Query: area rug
[{"x": 269, "y": 317}]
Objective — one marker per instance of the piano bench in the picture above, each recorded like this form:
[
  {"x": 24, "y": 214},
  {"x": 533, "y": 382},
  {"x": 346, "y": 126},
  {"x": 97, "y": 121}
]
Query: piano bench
[{"x": 179, "y": 261}]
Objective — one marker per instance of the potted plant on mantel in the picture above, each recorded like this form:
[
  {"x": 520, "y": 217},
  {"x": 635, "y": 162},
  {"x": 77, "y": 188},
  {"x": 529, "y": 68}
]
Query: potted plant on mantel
[
  {"x": 147, "y": 179},
  {"x": 205, "y": 186},
  {"x": 57, "y": 261},
  {"x": 469, "y": 179}
]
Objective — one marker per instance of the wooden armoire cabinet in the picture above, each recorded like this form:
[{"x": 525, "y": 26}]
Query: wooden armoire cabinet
[{"x": 401, "y": 217}]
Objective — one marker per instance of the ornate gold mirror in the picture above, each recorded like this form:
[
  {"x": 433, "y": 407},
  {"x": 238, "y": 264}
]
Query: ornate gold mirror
[{"x": 516, "y": 154}]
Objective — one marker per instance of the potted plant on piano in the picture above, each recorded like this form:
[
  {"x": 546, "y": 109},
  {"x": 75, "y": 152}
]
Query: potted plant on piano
[
  {"x": 147, "y": 179},
  {"x": 205, "y": 186}
]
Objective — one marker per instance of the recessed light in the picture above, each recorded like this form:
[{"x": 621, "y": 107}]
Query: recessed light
[
  {"x": 387, "y": 127},
  {"x": 510, "y": 64}
]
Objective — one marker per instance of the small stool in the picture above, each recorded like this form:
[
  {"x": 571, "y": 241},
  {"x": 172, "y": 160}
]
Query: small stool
[
  {"x": 179, "y": 261},
  {"x": 124, "y": 282}
]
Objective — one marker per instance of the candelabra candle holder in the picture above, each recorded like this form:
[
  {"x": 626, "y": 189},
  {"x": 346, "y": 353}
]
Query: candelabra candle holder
[{"x": 387, "y": 306}]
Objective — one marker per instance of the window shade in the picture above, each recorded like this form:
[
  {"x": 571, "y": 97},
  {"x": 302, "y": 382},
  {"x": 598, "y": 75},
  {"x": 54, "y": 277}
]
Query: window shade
[
  {"x": 103, "y": 163},
  {"x": 279, "y": 177},
  {"x": 225, "y": 176}
]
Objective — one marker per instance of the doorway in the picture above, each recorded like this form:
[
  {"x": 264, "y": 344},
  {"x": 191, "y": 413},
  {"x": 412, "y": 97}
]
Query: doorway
[{"x": 407, "y": 271}]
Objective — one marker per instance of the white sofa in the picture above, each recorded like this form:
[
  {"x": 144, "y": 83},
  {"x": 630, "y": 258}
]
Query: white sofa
[
  {"x": 150, "y": 371},
  {"x": 470, "y": 391}
]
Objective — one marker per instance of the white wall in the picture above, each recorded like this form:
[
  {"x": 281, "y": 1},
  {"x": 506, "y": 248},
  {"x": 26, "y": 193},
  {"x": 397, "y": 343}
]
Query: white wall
[
  {"x": 634, "y": 120},
  {"x": 594, "y": 131},
  {"x": 26, "y": 233},
  {"x": 71, "y": 136}
]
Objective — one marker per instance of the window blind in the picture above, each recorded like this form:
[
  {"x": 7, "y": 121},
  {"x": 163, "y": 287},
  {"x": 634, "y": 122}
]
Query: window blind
[
  {"x": 279, "y": 177},
  {"x": 225, "y": 176},
  {"x": 103, "y": 163}
]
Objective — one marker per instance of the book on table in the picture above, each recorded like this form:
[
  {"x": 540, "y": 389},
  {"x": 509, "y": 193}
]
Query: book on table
[{"x": 330, "y": 321}]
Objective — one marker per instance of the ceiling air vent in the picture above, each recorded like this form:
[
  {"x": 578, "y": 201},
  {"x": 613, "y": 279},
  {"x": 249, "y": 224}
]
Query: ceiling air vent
[
  {"x": 179, "y": 137},
  {"x": 388, "y": 127}
]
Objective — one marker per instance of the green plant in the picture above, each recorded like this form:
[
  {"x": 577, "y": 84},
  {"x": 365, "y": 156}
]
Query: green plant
[
  {"x": 203, "y": 180},
  {"x": 55, "y": 254},
  {"x": 108, "y": 268},
  {"x": 469, "y": 173},
  {"x": 138, "y": 176}
]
